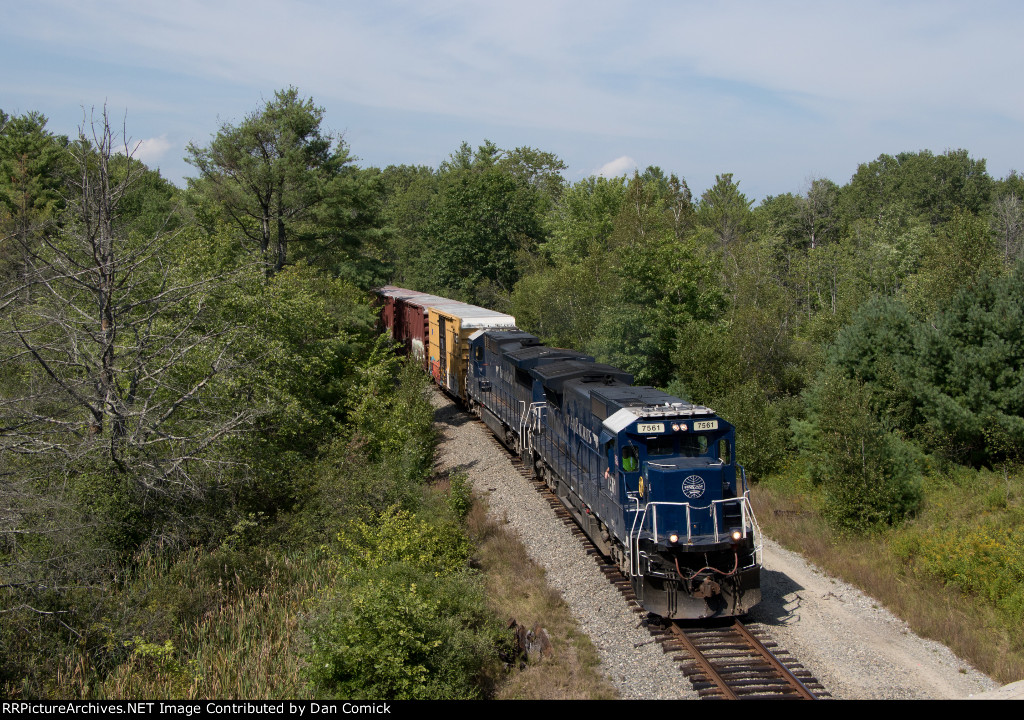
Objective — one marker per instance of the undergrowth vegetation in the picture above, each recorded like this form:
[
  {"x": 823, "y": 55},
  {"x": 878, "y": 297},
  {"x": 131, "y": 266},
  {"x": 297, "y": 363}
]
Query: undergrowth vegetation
[
  {"x": 517, "y": 590},
  {"x": 954, "y": 572},
  {"x": 362, "y": 589}
]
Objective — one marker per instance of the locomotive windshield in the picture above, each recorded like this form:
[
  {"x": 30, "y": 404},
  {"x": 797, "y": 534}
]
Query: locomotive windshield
[
  {"x": 690, "y": 445},
  {"x": 661, "y": 446},
  {"x": 693, "y": 445}
]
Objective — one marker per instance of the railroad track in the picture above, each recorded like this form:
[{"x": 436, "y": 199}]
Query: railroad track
[
  {"x": 730, "y": 663},
  {"x": 723, "y": 660}
]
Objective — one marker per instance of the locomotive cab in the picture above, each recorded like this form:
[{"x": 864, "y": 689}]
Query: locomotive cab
[{"x": 691, "y": 538}]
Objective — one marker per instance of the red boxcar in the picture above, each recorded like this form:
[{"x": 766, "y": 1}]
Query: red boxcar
[{"x": 404, "y": 313}]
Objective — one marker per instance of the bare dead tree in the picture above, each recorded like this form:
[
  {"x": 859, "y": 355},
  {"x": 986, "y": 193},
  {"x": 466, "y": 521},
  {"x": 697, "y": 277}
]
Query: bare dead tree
[
  {"x": 1008, "y": 225},
  {"x": 114, "y": 365}
]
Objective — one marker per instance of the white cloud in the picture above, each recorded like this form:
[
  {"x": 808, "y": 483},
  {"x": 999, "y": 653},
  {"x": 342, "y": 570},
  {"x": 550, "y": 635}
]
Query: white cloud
[
  {"x": 151, "y": 150},
  {"x": 598, "y": 68},
  {"x": 619, "y": 166}
]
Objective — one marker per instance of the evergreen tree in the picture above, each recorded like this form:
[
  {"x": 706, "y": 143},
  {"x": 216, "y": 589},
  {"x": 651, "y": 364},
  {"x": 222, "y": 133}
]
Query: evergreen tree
[
  {"x": 278, "y": 180},
  {"x": 31, "y": 173},
  {"x": 867, "y": 473},
  {"x": 968, "y": 371},
  {"x": 877, "y": 350}
]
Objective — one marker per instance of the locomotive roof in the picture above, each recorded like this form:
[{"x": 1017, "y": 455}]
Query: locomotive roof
[
  {"x": 513, "y": 336},
  {"x": 638, "y": 396},
  {"x": 531, "y": 356},
  {"x": 642, "y": 399},
  {"x": 627, "y": 404},
  {"x": 556, "y": 374}
]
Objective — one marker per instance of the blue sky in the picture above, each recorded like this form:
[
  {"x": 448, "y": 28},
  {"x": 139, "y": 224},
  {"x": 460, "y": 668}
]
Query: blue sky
[{"x": 776, "y": 93}]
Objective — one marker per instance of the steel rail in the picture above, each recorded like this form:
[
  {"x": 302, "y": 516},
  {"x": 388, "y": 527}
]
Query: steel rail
[
  {"x": 737, "y": 663},
  {"x": 764, "y": 652},
  {"x": 773, "y": 677},
  {"x": 702, "y": 662}
]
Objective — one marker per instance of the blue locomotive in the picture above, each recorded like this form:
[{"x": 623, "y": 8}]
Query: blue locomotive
[{"x": 651, "y": 479}]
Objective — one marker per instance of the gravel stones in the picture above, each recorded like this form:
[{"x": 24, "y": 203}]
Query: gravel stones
[{"x": 850, "y": 643}]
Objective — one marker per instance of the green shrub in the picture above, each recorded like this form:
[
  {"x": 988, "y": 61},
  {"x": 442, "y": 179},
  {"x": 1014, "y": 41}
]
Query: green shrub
[
  {"x": 398, "y": 536},
  {"x": 460, "y": 495},
  {"x": 867, "y": 473},
  {"x": 397, "y": 632},
  {"x": 408, "y": 620},
  {"x": 986, "y": 561}
]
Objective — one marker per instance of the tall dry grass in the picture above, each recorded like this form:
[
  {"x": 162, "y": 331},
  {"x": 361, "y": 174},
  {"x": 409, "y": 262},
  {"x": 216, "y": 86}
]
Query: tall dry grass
[
  {"x": 968, "y": 624},
  {"x": 517, "y": 589},
  {"x": 244, "y": 642}
]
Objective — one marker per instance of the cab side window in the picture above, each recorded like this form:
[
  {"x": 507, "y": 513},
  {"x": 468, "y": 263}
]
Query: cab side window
[
  {"x": 725, "y": 451},
  {"x": 630, "y": 459}
]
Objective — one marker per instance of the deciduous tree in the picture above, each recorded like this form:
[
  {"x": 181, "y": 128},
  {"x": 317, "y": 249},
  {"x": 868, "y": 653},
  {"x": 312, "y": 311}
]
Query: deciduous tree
[{"x": 481, "y": 218}]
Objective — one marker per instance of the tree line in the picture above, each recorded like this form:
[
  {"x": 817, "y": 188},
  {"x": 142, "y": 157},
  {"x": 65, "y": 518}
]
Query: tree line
[
  {"x": 198, "y": 368},
  {"x": 894, "y": 297}
]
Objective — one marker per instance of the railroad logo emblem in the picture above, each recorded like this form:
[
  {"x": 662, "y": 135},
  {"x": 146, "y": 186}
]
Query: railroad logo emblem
[{"x": 693, "y": 486}]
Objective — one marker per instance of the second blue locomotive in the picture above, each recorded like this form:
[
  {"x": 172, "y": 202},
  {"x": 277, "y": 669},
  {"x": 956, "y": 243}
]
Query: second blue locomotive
[{"x": 651, "y": 479}]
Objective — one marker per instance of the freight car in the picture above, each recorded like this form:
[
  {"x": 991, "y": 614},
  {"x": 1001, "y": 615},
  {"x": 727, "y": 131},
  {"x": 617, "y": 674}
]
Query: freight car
[
  {"x": 651, "y": 479},
  {"x": 435, "y": 330}
]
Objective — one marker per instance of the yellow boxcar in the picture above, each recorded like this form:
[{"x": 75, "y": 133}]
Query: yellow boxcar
[{"x": 451, "y": 325}]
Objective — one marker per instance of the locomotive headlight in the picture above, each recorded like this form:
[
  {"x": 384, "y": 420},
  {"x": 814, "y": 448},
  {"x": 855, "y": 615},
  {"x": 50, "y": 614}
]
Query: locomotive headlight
[
  {"x": 673, "y": 538},
  {"x": 737, "y": 535},
  {"x": 675, "y": 427}
]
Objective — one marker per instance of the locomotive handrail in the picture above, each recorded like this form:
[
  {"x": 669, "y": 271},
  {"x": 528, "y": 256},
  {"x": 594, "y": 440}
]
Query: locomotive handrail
[
  {"x": 748, "y": 521},
  {"x": 633, "y": 548},
  {"x": 758, "y": 542},
  {"x": 535, "y": 408},
  {"x": 522, "y": 425}
]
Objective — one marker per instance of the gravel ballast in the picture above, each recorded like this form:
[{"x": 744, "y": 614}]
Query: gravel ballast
[{"x": 855, "y": 648}]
